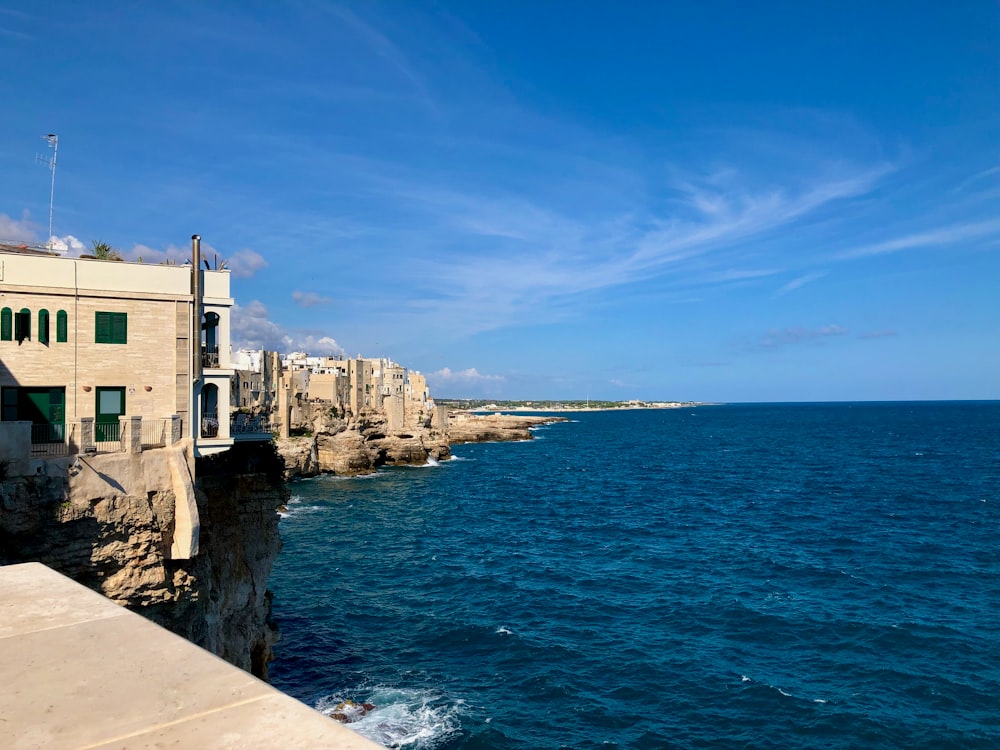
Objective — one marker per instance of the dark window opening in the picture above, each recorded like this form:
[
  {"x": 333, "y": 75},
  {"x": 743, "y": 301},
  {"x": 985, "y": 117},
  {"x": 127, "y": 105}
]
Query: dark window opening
[{"x": 22, "y": 325}]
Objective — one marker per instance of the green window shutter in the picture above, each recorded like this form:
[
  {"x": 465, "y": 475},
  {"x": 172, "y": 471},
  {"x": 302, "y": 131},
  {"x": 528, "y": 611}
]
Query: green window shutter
[
  {"x": 119, "y": 328},
  {"x": 110, "y": 328},
  {"x": 43, "y": 326},
  {"x": 62, "y": 327},
  {"x": 102, "y": 328},
  {"x": 6, "y": 324}
]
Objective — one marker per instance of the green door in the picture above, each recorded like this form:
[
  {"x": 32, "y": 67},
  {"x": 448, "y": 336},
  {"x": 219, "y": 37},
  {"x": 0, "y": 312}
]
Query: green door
[{"x": 110, "y": 406}]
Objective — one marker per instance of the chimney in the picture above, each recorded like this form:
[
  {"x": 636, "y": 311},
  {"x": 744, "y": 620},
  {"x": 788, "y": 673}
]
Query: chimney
[{"x": 196, "y": 292}]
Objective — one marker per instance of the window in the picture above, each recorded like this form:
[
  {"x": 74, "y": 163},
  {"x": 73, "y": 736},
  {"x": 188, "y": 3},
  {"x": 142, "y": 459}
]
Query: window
[
  {"x": 43, "y": 326},
  {"x": 6, "y": 324},
  {"x": 9, "y": 413},
  {"x": 61, "y": 327},
  {"x": 22, "y": 325},
  {"x": 110, "y": 328}
]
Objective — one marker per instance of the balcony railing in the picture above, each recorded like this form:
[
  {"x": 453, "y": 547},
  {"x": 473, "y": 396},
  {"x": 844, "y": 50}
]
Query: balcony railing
[
  {"x": 210, "y": 357},
  {"x": 155, "y": 432},
  {"x": 91, "y": 436},
  {"x": 51, "y": 439},
  {"x": 250, "y": 424},
  {"x": 210, "y": 424}
]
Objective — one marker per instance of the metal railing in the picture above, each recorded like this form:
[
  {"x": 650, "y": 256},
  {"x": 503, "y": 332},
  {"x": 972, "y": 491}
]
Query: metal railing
[
  {"x": 154, "y": 432},
  {"x": 209, "y": 424},
  {"x": 108, "y": 437},
  {"x": 249, "y": 424},
  {"x": 210, "y": 357},
  {"x": 51, "y": 439}
]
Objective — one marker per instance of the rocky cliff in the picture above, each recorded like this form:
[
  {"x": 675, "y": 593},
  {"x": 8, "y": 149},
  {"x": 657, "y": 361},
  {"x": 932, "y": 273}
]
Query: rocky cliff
[
  {"x": 484, "y": 428},
  {"x": 109, "y": 521},
  {"x": 359, "y": 445}
]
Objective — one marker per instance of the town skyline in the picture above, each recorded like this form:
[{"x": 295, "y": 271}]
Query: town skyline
[{"x": 645, "y": 202}]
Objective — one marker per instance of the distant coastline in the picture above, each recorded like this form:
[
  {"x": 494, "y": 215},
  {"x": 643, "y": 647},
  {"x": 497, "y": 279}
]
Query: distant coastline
[{"x": 483, "y": 406}]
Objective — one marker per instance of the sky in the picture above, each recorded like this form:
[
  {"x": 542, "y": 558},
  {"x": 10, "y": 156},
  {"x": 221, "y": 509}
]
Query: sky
[{"x": 713, "y": 201}]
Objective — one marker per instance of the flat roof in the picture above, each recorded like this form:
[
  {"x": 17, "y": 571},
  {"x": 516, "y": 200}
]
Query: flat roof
[{"x": 79, "y": 671}]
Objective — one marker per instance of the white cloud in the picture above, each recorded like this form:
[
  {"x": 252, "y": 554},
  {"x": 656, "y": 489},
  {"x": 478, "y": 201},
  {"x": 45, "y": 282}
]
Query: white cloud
[
  {"x": 252, "y": 328},
  {"x": 801, "y": 281},
  {"x": 18, "y": 230},
  {"x": 245, "y": 263},
  {"x": 309, "y": 299},
  {"x": 471, "y": 375},
  {"x": 68, "y": 245},
  {"x": 464, "y": 383},
  {"x": 779, "y": 337},
  {"x": 173, "y": 254},
  {"x": 547, "y": 259},
  {"x": 944, "y": 236}
]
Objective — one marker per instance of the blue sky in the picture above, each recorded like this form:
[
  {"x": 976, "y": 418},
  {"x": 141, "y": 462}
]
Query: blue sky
[{"x": 715, "y": 201}]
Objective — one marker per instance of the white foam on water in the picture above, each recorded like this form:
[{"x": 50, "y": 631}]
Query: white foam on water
[
  {"x": 401, "y": 718},
  {"x": 504, "y": 631},
  {"x": 295, "y": 508}
]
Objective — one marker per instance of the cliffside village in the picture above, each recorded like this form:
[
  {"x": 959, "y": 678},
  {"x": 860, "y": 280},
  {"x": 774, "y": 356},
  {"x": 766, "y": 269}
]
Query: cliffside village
[{"x": 99, "y": 355}]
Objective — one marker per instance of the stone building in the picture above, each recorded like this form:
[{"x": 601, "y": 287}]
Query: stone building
[
  {"x": 354, "y": 388},
  {"x": 97, "y": 352}
]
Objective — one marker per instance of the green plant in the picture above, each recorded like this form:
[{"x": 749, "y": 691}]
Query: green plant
[{"x": 104, "y": 251}]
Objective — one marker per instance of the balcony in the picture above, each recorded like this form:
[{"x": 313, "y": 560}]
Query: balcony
[
  {"x": 87, "y": 436},
  {"x": 251, "y": 426},
  {"x": 210, "y": 357}
]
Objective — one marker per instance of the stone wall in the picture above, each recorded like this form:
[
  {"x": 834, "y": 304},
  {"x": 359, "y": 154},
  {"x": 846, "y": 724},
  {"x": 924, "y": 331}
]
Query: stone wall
[{"x": 108, "y": 521}]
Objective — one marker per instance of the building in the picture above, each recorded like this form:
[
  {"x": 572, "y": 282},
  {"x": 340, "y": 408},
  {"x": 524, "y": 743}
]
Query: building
[
  {"x": 94, "y": 351},
  {"x": 354, "y": 387}
]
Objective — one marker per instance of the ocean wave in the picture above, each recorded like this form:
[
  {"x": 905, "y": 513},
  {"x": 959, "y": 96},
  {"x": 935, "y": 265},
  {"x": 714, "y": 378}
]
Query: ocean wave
[{"x": 418, "y": 719}]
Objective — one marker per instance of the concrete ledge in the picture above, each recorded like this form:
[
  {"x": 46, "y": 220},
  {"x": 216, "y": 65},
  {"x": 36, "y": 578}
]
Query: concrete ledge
[{"x": 81, "y": 672}]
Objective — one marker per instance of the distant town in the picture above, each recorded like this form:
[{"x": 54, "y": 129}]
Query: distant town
[{"x": 470, "y": 404}]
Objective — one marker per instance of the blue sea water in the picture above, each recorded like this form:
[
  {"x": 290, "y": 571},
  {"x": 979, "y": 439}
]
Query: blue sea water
[{"x": 791, "y": 576}]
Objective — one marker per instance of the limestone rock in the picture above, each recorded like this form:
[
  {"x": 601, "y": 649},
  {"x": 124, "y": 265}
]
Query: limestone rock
[
  {"x": 483, "y": 428},
  {"x": 346, "y": 452}
]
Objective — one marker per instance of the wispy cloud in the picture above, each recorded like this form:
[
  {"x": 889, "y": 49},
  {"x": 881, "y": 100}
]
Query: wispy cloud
[
  {"x": 245, "y": 263},
  {"x": 18, "y": 230},
  {"x": 252, "y": 328},
  {"x": 936, "y": 237},
  {"x": 309, "y": 299},
  {"x": 973, "y": 179},
  {"x": 801, "y": 281},
  {"x": 777, "y": 338},
  {"x": 470, "y": 375},
  {"x": 887, "y": 333},
  {"x": 621, "y": 383},
  {"x": 544, "y": 257}
]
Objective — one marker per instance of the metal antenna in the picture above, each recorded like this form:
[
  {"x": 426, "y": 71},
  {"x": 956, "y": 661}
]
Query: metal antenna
[{"x": 53, "y": 141}]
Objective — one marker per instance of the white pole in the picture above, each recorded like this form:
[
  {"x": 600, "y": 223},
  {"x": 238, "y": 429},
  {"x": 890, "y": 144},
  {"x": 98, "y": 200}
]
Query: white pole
[{"x": 53, "y": 140}]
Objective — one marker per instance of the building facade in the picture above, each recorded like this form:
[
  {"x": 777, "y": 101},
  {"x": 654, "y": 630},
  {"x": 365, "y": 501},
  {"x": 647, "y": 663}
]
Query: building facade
[{"x": 86, "y": 344}]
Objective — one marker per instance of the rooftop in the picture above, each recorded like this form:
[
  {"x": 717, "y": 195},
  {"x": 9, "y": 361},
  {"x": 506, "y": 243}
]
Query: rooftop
[{"x": 82, "y": 672}]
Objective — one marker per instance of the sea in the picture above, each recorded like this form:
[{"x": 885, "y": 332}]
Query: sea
[{"x": 725, "y": 576}]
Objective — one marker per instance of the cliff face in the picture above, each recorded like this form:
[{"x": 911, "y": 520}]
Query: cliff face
[
  {"x": 109, "y": 521},
  {"x": 360, "y": 445},
  {"x": 485, "y": 428}
]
